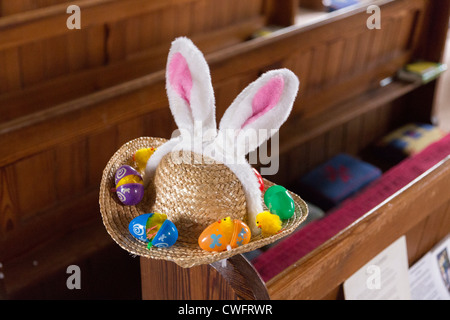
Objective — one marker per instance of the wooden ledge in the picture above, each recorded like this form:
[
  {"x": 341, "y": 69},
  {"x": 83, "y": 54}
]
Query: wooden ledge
[{"x": 328, "y": 266}]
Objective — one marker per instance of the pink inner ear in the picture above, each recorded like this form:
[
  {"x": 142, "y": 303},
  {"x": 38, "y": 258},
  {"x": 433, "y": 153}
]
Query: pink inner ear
[
  {"x": 180, "y": 76},
  {"x": 266, "y": 98}
]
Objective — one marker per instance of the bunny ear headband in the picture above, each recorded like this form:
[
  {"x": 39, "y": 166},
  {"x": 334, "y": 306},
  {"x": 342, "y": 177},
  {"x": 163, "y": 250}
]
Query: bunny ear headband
[{"x": 253, "y": 117}]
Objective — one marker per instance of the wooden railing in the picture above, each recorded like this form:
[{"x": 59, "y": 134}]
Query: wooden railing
[{"x": 420, "y": 211}]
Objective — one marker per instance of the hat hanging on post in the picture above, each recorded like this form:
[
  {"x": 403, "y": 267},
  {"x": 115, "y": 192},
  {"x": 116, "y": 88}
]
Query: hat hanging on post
[{"x": 201, "y": 175}]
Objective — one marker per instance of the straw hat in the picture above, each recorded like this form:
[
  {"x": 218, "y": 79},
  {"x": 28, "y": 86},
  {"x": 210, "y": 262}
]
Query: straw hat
[
  {"x": 177, "y": 195},
  {"x": 201, "y": 176}
]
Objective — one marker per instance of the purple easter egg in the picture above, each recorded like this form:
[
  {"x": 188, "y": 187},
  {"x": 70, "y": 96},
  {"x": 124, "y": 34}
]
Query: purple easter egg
[
  {"x": 123, "y": 171},
  {"x": 130, "y": 194}
]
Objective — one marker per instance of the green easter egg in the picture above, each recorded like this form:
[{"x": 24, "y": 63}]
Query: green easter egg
[
  {"x": 282, "y": 204},
  {"x": 271, "y": 191}
]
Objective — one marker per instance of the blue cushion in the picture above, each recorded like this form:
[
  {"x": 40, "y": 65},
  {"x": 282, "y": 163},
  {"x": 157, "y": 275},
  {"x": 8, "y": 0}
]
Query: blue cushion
[{"x": 335, "y": 180}]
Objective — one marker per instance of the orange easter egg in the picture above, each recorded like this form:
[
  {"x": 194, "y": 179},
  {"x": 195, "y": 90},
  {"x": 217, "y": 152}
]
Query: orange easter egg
[
  {"x": 217, "y": 236},
  {"x": 241, "y": 234}
]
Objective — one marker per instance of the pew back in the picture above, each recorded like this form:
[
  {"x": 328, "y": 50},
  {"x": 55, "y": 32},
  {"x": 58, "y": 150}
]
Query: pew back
[{"x": 70, "y": 98}]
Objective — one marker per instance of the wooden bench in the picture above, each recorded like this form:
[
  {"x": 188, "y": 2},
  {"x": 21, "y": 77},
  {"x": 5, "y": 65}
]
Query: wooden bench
[
  {"x": 419, "y": 210},
  {"x": 58, "y": 133}
]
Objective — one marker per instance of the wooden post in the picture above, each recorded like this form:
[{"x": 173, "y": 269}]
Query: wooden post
[
  {"x": 165, "y": 280},
  {"x": 281, "y": 12},
  {"x": 312, "y": 4}
]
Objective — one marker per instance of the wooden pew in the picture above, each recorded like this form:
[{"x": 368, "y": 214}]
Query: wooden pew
[
  {"x": 52, "y": 153},
  {"x": 44, "y": 63},
  {"x": 55, "y": 86},
  {"x": 419, "y": 210}
]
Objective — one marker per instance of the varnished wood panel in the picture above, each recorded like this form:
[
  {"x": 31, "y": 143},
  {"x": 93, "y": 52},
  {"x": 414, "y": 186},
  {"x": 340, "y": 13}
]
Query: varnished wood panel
[
  {"x": 130, "y": 28},
  {"x": 129, "y": 130},
  {"x": 281, "y": 12},
  {"x": 419, "y": 240},
  {"x": 70, "y": 167},
  {"x": 164, "y": 280},
  {"x": 125, "y": 40},
  {"x": 297, "y": 163},
  {"x": 8, "y": 201},
  {"x": 333, "y": 61},
  {"x": 10, "y": 77},
  {"x": 228, "y": 89},
  {"x": 334, "y": 140},
  {"x": 101, "y": 148},
  {"x": 426, "y": 234},
  {"x": 34, "y": 177},
  {"x": 53, "y": 123},
  {"x": 8, "y": 7},
  {"x": 32, "y": 57},
  {"x": 319, "y": 273},
  {"x": 312, "y": 4}
]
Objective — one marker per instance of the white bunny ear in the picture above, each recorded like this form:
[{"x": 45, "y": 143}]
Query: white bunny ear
[
  {"x": 264, "y": 104},
  {"x": 189, "y": 87},
  {"x": 253, "y": 117},
  {"x": 191, "y": 100}
]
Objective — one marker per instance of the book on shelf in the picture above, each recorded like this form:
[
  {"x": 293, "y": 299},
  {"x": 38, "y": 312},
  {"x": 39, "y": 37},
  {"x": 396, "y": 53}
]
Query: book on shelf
[{"x": 421, "y": 71}]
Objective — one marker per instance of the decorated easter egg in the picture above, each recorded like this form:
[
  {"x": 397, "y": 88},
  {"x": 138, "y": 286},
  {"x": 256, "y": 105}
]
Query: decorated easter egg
[
  {"x": 124, "y": 171},
  {"x": 241, "y": 234},
  {"x": 130, "y": 194},
  {"x": 129, "y": 179},
  {"x": 223, "y": 233},
  {"x": 260, "y": 180},
  {"x": 129, "y": 185},
  {"x": 137, "y": 226},
  {"x": 154, "y": 228},
  {"x": 166, "y": 236},
  {"x": 154, "y": 223},
  {"x": 141, "y": 157},
  {"x": 272, "y": 190},
  {"x": 281, "y": 204}
]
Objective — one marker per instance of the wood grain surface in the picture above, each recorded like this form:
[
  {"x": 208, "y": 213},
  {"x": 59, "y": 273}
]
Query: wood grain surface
[{"x": 70, "y": 98}]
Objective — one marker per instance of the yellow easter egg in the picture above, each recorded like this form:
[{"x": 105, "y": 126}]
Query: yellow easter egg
[
  {"x": 129, "y": 179},
  {"x": 141, "y": 157}
]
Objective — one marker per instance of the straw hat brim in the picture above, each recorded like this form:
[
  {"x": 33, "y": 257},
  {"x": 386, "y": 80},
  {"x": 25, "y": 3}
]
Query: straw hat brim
[{"x": 116, "y": 217}]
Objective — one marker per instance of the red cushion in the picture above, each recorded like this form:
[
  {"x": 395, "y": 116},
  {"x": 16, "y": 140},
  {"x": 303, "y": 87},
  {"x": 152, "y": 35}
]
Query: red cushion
[{"x": 297, "y": 245}]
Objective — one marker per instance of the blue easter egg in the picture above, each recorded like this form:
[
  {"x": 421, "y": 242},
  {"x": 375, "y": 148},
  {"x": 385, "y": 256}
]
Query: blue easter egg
[
  {"x": 166, "y": 236},
  {"x": 137, "y": 226}
]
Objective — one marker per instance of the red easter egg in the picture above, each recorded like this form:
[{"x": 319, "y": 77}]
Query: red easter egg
[{"x": 260, "y": 180}]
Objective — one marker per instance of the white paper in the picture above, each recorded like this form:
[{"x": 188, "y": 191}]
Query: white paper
[
  {"x": 385, "y": 277},
  {"x": 430, "y": 276}
]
